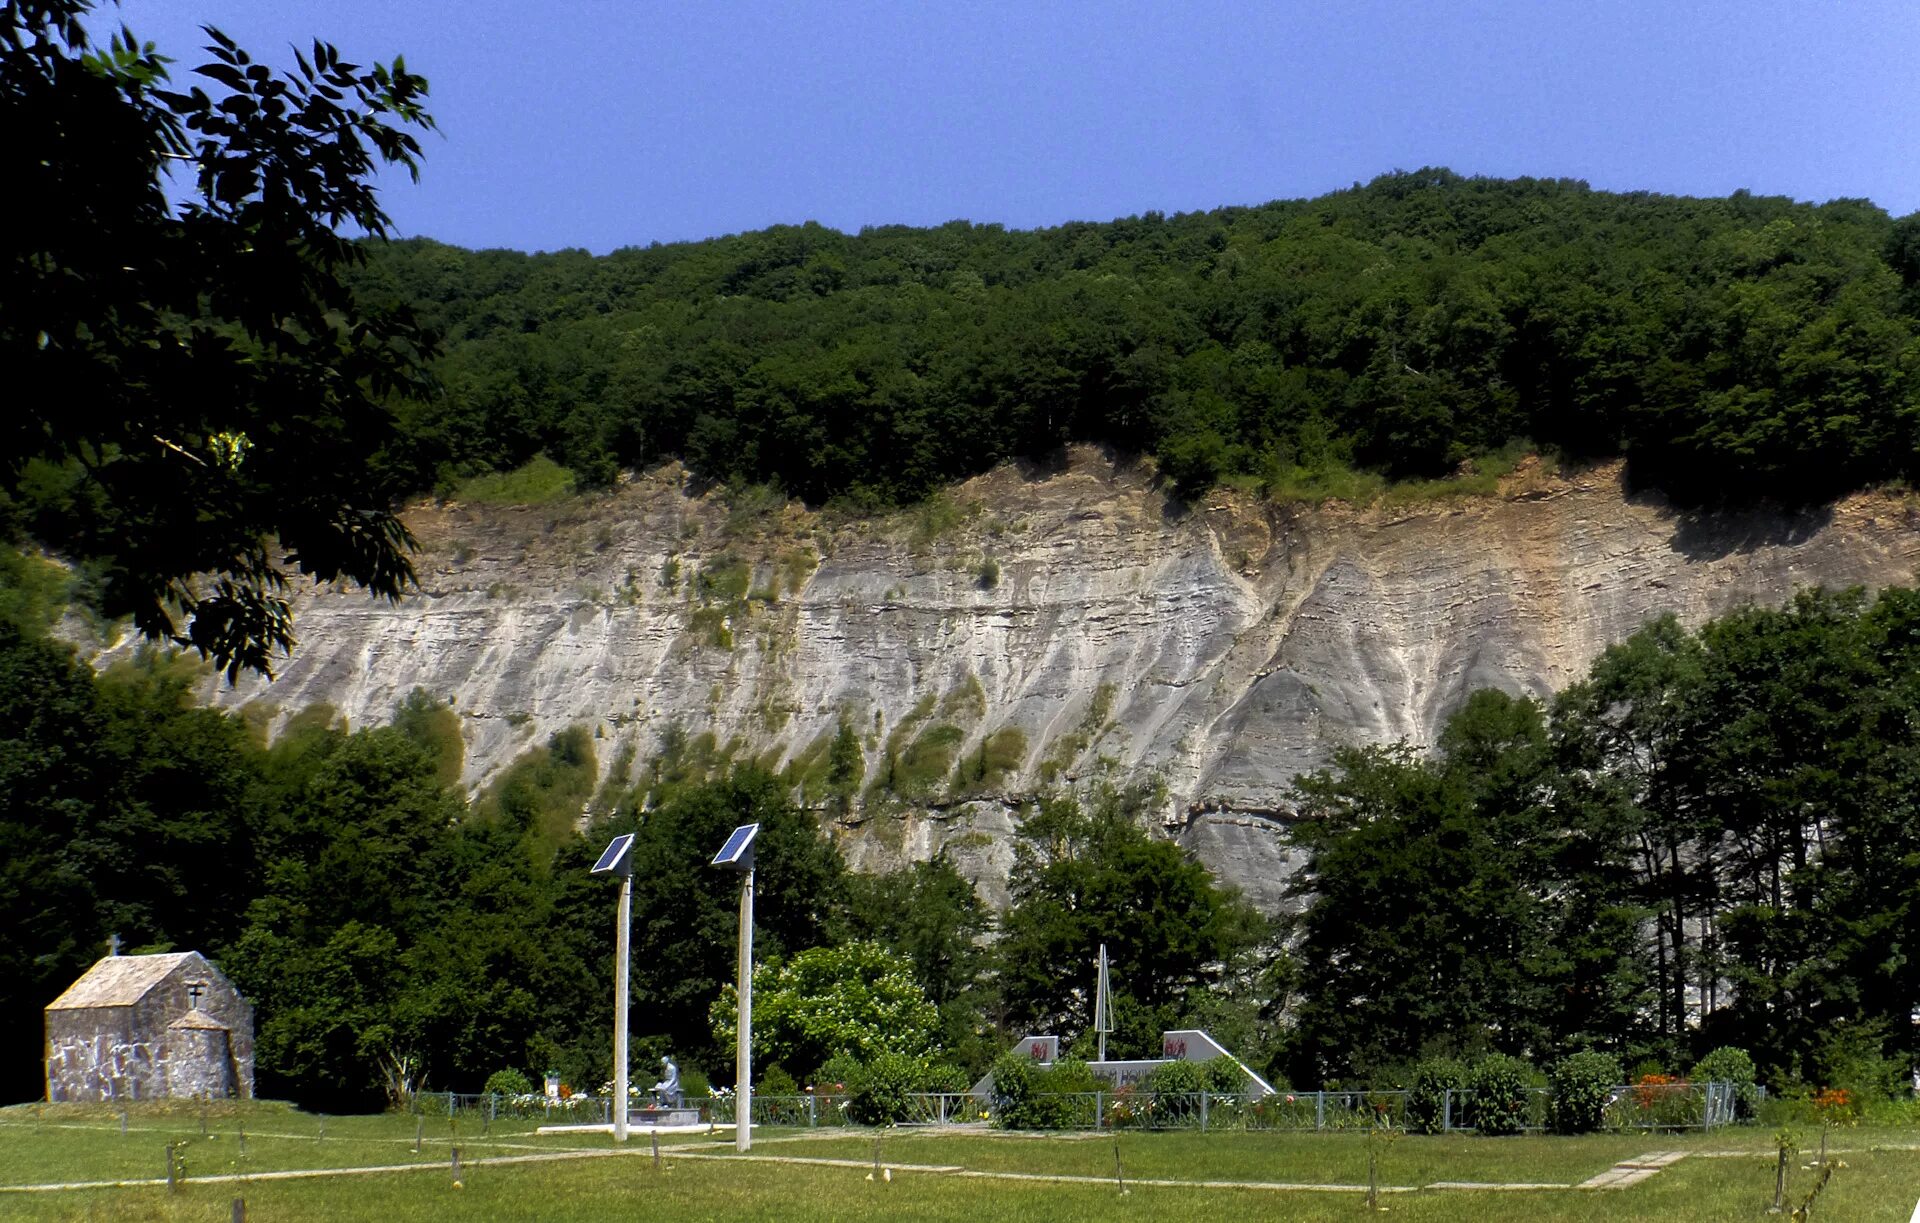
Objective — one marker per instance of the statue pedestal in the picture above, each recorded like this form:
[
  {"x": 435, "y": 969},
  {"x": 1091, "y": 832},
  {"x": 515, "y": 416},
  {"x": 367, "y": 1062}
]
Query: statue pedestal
[{"x": 659, "y": 1118}]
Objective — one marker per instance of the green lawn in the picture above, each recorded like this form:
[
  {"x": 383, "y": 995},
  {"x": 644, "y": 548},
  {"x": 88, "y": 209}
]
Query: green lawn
[{"x": 704, "y": 1179}]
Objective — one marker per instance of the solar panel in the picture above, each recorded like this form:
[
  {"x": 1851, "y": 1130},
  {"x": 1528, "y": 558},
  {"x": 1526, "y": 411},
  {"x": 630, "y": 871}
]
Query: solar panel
[
  {"x": 614, "y": 860},
  {"x": 738, "y": 851}
]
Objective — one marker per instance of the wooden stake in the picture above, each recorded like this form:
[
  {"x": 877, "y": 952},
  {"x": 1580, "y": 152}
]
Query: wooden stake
[
  {"x": 171, "y": 1186},
  {"x": 656, "y": 1150},
  {"x": 239, "y": 1210},
  {"x": 1119, "y": 1177}
]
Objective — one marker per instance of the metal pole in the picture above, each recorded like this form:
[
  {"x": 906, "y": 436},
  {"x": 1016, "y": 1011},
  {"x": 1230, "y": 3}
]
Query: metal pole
[
  {"x": 1100, "y": 1002},
  {"x": 743, "y": 1049},
  {"x": 621, "y": 935}
]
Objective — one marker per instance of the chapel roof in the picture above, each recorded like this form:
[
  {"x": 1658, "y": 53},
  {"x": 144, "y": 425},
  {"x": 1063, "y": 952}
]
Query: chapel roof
[{"x": 119, "y": 980}]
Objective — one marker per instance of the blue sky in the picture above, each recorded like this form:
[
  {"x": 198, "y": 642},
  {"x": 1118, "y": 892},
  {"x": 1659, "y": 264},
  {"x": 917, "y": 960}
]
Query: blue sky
[{"x": 607, "y": 124}]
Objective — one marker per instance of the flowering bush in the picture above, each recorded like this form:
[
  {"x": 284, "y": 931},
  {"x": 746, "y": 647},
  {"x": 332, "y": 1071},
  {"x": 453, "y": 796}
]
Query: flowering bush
[
  {"x": 1665, "y": 1100},
  {"x": 1653, "y": 1090},
  {"x": 605, "y": 1091},
  {"x": 1836, "y": 1106},
  {"x": 536, "y": 1104},
  {"x": 856, "y": 999}
]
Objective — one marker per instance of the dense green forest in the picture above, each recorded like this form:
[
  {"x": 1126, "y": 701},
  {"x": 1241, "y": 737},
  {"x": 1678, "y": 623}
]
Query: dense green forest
[
  {"x": 1729, "y": 347},
  {"x": 1709, "y": 840}
]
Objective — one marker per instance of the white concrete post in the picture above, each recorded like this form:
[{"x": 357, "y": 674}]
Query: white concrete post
[
  {"x": 743, "y": 1048},
  {"x": 621, "y": 935}
]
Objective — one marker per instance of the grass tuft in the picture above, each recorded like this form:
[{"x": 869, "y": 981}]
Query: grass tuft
[{"x": 536, "y": 482}]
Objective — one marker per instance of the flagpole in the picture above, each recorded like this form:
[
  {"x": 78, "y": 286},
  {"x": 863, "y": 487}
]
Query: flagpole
[{"x": 1100, "y": 1003}]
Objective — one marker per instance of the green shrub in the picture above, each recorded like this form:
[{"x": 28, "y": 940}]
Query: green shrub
[
  {"x": 1729, "y": 1064},
  {"x": 1015, "y": 1079},
  {"x": 878, "y": 1092},
  {"x": 945, "y": 1077},
  {"x": 1026, "y": 1097},
  {"x": 1060, "y": 1101},
  {"x": 1579, "y": 1086},
  {"x": 1176, "y": 1078},
  {"x": 1225, "y": 1075},
  {"x": 837, "y": 1073},
  {"x": 1852, "y": 1055},
  {"x": 1426, "y": 1093},
  {"x": 1499, "y": 1101},
  {"x": 536, "y": 482},
  {"x": 775, "y": 1081},
  {"x": 509, "y": 1083}
]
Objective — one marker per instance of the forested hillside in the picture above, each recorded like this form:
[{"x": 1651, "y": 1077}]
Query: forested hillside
[
  {"x": 1730, "y": 347},
  {"x": 1708, "y": 839}
]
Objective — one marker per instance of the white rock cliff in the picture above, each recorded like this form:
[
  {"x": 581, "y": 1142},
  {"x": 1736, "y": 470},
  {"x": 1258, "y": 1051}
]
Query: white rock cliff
[{"x": 1037, "y": 625}]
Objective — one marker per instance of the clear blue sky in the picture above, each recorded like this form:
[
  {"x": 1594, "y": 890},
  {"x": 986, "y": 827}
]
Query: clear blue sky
[{"x": 620, "y": 123}]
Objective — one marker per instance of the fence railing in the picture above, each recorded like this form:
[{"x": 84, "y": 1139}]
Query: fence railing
[
  {"x": 1646, "y": 1106},
  {"x": 487, "y": 1107},
  {"x": 923, "y": 1108}
]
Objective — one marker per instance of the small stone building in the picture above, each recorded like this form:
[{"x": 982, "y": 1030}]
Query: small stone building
[{"x": 148, "y": 1027}]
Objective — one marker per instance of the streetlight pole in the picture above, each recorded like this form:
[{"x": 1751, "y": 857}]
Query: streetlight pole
[
  {"x": 743, "y": 1047},
  {"x": 623, "y": 934},
  {"x": 737, "y": 855},
  {"x": 618, "y": 860}
]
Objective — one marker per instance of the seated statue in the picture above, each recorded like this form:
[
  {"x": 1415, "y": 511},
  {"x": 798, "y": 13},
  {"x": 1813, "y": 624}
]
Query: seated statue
[{"x": 666, "y": 1093}]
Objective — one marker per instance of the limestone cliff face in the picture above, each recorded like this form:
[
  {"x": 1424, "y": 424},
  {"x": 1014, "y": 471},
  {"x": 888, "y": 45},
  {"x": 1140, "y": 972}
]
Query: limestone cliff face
[{"x": 1037, "y": 626}]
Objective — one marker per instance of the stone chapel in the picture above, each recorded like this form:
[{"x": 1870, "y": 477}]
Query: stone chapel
[{"x": 149, "y": 1027}]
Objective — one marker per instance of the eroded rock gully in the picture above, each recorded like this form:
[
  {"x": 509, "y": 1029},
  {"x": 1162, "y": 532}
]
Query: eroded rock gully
[{"x": 1222, "y": 648}]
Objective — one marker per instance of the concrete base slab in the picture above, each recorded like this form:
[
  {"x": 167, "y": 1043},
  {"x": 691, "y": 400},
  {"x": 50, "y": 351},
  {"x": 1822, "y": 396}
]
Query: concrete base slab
[{"x": 636, "y": 1129}]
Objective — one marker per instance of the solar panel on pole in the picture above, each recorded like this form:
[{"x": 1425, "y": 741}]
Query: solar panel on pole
[
  {"x": 737, "y": 855},
  {"x": 617, "y": 859}
]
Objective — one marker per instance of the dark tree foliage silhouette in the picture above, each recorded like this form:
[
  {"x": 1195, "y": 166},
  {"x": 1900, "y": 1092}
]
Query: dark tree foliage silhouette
[{"x": 197, "y": 397}]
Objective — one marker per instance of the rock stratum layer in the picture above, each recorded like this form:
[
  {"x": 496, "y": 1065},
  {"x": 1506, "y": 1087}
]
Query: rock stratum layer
[{"x": 1037, "y": 626}]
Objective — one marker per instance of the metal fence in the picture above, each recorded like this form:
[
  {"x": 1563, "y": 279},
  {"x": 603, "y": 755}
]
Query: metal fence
[
  {"x": 923, "y": 1108},
  {"x": 1645, "y": 1106},
  {"x": 487, "y": 1107}
]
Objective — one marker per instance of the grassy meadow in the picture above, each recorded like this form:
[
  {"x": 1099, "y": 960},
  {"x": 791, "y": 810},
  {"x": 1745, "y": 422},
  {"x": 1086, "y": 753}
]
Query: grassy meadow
[{"x": 510, "y": 1172}]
